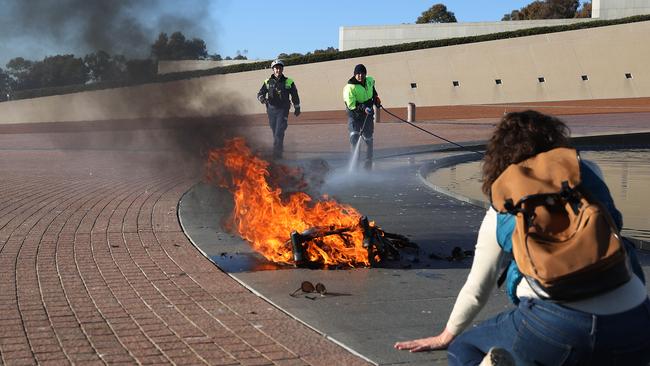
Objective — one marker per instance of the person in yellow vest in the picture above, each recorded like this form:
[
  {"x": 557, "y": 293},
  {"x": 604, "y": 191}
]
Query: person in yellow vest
[
  {"x": 278, "y": 92},
  {"x": 359, "y": 95}
]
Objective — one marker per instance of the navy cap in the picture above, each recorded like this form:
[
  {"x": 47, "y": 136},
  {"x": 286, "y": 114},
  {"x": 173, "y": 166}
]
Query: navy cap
[{"x": 360, "y": 69}]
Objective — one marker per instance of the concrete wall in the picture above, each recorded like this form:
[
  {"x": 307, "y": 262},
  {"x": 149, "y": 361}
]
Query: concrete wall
[
  {"x": 383, "y": 35},
  {"x": 603, "y": 54},
  {"x": 613, "y": 9}
]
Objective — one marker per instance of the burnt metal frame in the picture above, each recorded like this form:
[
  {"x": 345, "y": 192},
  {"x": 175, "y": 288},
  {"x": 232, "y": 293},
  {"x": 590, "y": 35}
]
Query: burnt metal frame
[{"x": 381, "y": 245}]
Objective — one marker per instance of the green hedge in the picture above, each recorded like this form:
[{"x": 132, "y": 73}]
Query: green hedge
[{"x": 329, "y": 56}]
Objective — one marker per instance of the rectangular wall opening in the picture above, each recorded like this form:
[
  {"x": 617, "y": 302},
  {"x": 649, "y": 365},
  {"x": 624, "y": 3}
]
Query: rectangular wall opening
[
  {"x": 414, "y": 85},
  {"x": 541, "y": 79},
  {"x": 497, "y": 81},
  {"x": 455, "y": 83},
  {"x": 584, "y": 77},
  {"x": 628, "y": 75}
]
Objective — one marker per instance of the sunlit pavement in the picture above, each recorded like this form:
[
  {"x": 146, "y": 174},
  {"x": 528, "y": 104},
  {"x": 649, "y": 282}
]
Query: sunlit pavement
[{"x": 95, "y": 268}]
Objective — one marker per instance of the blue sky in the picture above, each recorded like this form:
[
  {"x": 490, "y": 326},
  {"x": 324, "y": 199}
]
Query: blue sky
[
  {"x": 268, "y": 28},
  {"x": 257, "y": 29}
]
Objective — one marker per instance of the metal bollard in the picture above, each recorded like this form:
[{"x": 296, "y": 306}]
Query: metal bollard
[{"x": 410, "y": 112}]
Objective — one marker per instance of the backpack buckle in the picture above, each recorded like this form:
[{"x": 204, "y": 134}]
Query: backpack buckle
[
  {"x": 509, "y": 205},
  {"x": 572, "y": 196}
]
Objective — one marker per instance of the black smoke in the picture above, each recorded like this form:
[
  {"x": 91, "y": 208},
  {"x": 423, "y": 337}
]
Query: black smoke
[
  {"x": 126, "y": 27},
  {"x": 161, "y": 120}
]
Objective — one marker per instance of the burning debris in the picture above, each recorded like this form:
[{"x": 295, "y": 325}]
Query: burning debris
[
  {"x": 380, "y": 244},
  {"x": 293, "y": 228}
]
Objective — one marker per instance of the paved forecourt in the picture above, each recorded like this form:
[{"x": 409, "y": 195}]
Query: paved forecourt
[
  {"x": 95, "y": 268},
  {"x": 367, "y": 310}
]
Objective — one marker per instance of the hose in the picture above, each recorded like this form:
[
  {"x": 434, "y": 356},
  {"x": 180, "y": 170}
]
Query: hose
[{"x": 431, "y": 133}]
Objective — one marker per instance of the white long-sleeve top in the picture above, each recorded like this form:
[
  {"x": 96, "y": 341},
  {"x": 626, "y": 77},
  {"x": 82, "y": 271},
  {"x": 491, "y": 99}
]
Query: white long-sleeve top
[{"x": 489, "y": 261}]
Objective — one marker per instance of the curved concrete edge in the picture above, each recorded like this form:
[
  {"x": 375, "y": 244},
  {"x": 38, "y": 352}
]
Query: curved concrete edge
[
  {"x": 635, "y": 138},
  {"x": 424, "y": 149},
  {"x": 434, "y": 165},
  {"x": 252, "y": 290}
]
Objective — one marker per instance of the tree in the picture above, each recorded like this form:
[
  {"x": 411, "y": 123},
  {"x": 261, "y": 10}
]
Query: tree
[
  {"x": 52, "y": 71},
  {"x": 241, "y": 55},
  {"x": 584, "y": 11},
  {"x": 545, "y": 9},
  {"x": 5, "y": 86},
  {"x": 177, "y": 47},
  {"x": 563, "y": 9},
  {"x": 283, "y": 56},
  {"x": 438, "y": 13},
  {"x": 60, "y": 70},
  {"x": 159, "y": 49},
  {"x": 103, "y": 67},
  {"x": 514, "y": 15},
  {"x": 535, "y": 10},
  {"x": 19, "y": 69},
  {"x": 327, "y": 50}
]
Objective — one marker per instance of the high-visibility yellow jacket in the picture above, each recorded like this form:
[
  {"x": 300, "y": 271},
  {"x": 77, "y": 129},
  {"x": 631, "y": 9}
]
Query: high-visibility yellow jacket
[{"x": 355, "y": 93}]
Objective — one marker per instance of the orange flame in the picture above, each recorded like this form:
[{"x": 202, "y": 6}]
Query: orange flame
[{"x": 266, "y": 219}]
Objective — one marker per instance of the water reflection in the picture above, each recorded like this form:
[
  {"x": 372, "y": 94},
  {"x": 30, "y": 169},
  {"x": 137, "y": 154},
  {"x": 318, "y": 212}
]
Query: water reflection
[{"x": 626, "y": 173}]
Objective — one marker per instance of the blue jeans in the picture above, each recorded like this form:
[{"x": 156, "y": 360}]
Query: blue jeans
[{"x": 543, "y": 333}]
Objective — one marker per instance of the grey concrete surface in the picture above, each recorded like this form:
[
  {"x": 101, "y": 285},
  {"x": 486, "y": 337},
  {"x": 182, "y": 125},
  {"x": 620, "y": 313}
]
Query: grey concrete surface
[{"x": 367, "y": 309}]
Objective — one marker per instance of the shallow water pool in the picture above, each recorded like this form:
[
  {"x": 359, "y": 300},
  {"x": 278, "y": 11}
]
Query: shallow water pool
[{"x": 627, "y": 173}]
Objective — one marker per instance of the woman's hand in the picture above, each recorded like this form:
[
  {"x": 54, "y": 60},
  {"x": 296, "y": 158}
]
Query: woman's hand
[{"x": 441, "y": 341}]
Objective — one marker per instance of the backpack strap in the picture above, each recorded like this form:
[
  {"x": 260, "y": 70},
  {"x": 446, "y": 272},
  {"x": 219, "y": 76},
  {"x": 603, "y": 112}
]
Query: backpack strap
[{"x": 510, "y": 274}]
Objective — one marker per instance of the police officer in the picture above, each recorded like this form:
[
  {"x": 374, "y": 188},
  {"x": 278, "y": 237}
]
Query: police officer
[
  {"x": 359, "y": 95},
  {"x": 274, "y": 93}
]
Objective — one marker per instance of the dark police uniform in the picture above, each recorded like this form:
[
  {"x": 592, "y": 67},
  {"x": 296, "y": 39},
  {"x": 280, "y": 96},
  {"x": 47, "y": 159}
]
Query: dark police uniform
[{"x": 279, "y": 93}]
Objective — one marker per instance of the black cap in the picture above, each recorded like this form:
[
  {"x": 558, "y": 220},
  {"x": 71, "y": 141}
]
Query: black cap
[{"x": 360, "y": 69}]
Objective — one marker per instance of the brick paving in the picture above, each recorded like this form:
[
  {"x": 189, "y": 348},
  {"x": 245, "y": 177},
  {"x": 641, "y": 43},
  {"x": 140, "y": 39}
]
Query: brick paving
[{"x": 95, "y": 269}]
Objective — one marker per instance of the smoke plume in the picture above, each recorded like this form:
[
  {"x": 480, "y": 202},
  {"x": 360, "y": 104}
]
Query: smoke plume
[
  {"x": 186, "y": 118},
  {"x": 125, "y": 27}
]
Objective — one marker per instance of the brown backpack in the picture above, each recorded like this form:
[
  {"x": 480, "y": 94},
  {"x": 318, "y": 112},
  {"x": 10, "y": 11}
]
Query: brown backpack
[{"x": 564, "y": 243}]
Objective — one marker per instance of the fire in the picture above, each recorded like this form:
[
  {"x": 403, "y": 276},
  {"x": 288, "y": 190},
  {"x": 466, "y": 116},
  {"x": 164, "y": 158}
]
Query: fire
[{"x": 265, "y": 217}]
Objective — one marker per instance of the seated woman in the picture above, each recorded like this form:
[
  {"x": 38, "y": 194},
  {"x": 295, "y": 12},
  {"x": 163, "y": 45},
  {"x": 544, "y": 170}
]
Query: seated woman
[{"x": 611, "y": 327}]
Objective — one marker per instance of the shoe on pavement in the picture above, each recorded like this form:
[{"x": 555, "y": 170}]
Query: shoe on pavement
[{"x": 498, "y": 357}]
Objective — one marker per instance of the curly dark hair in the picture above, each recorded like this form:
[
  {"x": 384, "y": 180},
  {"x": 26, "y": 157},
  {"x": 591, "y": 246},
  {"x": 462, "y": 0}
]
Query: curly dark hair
[{"x": 519, "y": 136}]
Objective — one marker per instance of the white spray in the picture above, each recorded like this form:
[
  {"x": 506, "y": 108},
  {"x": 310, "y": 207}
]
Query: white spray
[{"x": 354, "y": 159}]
